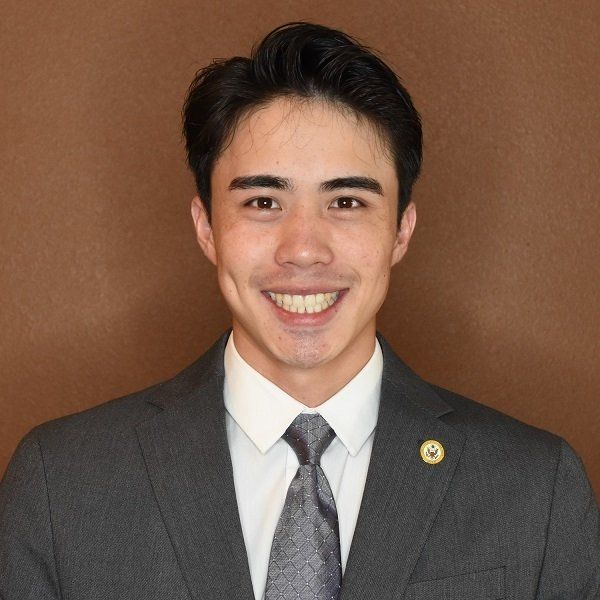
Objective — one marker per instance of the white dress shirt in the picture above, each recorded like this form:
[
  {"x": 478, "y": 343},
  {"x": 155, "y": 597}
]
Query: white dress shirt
[{"x": 258, "y": 413}]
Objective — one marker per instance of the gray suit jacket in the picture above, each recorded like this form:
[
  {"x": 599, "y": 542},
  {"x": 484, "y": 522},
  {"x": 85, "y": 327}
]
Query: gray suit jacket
[{"x": 135, "y": 499}]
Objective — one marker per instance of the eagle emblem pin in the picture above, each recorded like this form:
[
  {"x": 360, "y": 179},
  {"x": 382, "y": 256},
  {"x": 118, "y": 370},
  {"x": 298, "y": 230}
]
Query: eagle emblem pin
[{"x": 432, "y": 452}]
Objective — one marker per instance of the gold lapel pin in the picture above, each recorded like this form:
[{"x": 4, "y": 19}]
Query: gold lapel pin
[{"x": 432, "y": 452}]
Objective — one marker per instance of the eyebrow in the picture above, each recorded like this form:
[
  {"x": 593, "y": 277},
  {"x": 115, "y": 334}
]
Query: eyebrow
[
  {"x": 261, "y": 181},
  {"x": 355, "y": 182},
  {"x": 283, "y": 183}
]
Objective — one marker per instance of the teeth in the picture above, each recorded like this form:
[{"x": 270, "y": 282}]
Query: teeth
[{"x": 312, "y": 303}]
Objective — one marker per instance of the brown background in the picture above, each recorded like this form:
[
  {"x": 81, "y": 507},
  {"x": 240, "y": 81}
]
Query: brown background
[{"x": 104, "y": 291}]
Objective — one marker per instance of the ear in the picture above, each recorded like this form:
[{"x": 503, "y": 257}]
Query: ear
[
  {"x": 204, "y": 232},
  {"x": 404, "y": 233}
]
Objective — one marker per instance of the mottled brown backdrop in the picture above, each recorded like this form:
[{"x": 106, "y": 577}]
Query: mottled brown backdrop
[{"x": 103, "y": 290}]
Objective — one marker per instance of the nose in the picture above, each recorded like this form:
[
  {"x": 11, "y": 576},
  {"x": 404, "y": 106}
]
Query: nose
[{"x": 304, "y": 240}]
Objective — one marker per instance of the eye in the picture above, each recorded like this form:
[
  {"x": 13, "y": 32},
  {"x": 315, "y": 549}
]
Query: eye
[
  {"x": 263, "y": 203},
  {"x": 346, "y": 202}
]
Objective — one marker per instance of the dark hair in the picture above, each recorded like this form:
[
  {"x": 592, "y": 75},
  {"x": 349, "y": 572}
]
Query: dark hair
[{"x": 307, "y": 61}]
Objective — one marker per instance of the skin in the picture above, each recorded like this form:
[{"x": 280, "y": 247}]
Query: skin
[{"x": 296, "y": 235}]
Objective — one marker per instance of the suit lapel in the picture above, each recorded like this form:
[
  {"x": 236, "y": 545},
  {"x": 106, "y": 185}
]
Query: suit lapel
[
  {"x": 402, "y": 493},
  {"x": 188, "y": 462}
]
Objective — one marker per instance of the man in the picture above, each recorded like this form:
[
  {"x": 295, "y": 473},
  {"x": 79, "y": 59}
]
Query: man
[{"x": 298, "y": 458}]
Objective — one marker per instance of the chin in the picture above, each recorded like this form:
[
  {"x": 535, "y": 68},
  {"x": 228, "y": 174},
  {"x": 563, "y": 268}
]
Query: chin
[{"x": 305, "y": 350}]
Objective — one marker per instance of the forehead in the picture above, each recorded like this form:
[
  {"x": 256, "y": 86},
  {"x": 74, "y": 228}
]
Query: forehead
[{"x": 308, "y": 138}]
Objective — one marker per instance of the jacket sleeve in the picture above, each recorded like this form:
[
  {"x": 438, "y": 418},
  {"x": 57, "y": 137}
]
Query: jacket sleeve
[
  {"x": 571, "y": 568},
  {"x": 27, "y": 564}
]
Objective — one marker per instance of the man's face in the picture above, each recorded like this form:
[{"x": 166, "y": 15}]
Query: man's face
[{"x": 303, "y": 234}]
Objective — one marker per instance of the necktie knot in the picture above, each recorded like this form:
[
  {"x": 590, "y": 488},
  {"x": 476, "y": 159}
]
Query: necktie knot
[{"x": 309, "y": 435}]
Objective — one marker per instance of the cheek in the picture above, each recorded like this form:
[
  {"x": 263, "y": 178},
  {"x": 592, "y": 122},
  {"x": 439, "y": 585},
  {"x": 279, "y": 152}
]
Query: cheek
[
  {"x": 376, "y": 272},
  {"x": 373, "y": 257},
  {"x": 239, "y": 257}
]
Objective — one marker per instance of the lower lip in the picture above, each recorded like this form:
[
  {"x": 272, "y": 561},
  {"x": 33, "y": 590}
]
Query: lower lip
[{"x": 307, "y": 319}]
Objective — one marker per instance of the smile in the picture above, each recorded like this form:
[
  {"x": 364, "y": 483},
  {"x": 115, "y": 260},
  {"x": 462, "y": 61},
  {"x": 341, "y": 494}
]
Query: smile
[{"x": 312, "y": 303}]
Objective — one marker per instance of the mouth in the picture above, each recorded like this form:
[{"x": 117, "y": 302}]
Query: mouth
[{"x": 311, "y": 303}]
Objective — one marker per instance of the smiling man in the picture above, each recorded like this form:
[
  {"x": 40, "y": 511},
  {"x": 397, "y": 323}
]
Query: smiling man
[
  {"x": 299, "y": 458},
  {"x": 304, "y": 231}
]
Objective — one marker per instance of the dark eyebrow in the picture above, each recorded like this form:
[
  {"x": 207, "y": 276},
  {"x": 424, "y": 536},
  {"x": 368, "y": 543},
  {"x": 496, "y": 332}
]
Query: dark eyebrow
[
  {"x": 261, "y": 181},
  {"x": 356, "y": 182}
]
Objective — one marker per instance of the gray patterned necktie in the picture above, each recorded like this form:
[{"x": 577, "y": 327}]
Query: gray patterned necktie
[{"x": 305, "y": 555}]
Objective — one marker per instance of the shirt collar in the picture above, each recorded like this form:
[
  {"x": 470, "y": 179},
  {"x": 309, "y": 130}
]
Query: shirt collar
[{"x": 264, "y": 411}]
